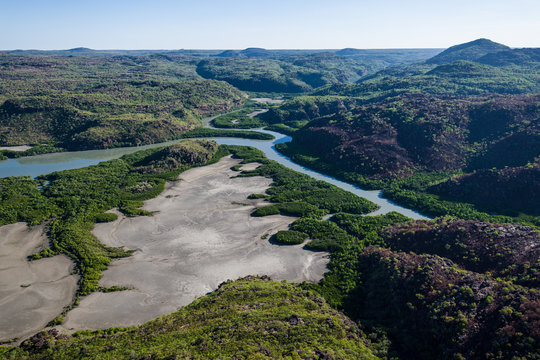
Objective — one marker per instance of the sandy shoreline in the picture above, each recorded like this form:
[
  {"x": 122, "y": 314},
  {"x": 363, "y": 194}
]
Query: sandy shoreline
[
  {"x": 16, "y": 148},
  {"x": 31, "y": 293},
  {"x": 201, "y": 235},
  {"x": 267, "y": 100}
]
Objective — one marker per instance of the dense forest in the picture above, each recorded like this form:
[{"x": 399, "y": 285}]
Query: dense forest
[
  {"x": 85, "y": 103},
  {"x": 453, "y": 134},
  {"x": 85, "y": 99},
  {"x": 429, "y": 152}
]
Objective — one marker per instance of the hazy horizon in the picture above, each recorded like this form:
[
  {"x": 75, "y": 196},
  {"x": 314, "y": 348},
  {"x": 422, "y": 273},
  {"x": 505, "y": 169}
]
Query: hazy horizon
[{"x": 279, "y": 25}]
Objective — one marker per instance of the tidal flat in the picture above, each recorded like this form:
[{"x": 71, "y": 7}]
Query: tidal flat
[
  {"x": 32, "y": 293},
  {"x": 200, "y": 235}
]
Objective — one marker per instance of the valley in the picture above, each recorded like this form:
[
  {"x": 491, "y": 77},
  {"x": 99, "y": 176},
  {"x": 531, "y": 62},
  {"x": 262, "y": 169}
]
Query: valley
[{"x": 338, "y": 204}]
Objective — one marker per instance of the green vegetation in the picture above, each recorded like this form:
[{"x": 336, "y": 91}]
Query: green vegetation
[
  {"x": 324, "y": 235},
  {"x": 106, "y": 217},
  {"x": 297, "y": 194},
  {"x": 206, "y": 132},
  {"x": 289, "y": 237},
  {"x": 76, "y": 199},
  {"x": 246, "y": 118},
  {"x": 413, "y": 147},
  {"x": 86, "y": 102},
  {"x": 21, "y": 200},
  {"x": 35, "y": 150},
  {"x": 251, "y": 318}
]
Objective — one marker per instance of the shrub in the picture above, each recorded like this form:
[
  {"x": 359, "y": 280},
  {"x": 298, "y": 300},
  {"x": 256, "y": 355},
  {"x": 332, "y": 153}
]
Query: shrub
[{"x": 289, "y": 237}]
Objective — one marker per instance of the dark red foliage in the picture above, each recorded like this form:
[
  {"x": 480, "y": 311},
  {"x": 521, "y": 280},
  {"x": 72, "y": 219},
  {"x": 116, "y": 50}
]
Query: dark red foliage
[
  {"x": 434, "y": 310},
  {"x": 508, "y": 251}
]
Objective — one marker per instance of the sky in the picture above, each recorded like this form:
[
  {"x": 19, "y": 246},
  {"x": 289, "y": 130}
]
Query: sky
[{"x": 271, "y": 24}]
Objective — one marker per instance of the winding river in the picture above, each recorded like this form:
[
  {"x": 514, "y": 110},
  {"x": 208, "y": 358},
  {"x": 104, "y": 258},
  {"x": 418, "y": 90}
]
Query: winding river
[{"x": 34, "y": 166}]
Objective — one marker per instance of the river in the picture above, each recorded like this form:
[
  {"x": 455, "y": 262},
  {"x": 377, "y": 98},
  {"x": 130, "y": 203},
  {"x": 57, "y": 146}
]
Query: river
[{"x": 34, "y": 166}]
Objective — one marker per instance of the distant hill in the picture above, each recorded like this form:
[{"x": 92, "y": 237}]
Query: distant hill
[
  {"x": 478, "y": 67},
  {"x": 391, "y": 56},
  {"x": 464, "y": 68},
  {"x": 471, "y": 51},
  {"x": 526, "y": 56},
  {"x": 79, "y": 49},
  {"x": 249, "y": 52}
]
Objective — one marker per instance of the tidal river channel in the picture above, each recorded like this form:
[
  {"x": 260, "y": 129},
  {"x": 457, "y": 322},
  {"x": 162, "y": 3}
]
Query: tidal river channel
[{"x": 34, "y": 166}]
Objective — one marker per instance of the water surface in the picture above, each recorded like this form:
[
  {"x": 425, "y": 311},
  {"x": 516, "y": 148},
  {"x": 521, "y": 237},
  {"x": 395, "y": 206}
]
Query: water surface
[{"x": 34, "y": 166}]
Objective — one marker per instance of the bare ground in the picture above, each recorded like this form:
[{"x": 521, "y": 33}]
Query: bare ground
[
  {"x": 31, "y": 293},
  {"x": 267, "y": 100},
  {"x": 257, "y": 112},
  {"x": 16, "y": 148},
  {"x": 201, "y": 235}
]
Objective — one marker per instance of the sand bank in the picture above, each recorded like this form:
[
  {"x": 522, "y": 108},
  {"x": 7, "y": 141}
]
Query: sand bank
[
  {"x": 16, "y": 148},
  {"x": 257, "y": 112},
  {"x": 201, "y": 235},
  {"x": 31, "y": 293},
  {"x": 267, "y": 100}
]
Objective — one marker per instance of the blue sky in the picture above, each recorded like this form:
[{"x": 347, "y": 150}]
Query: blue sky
[{"x": 272, "y": 24}]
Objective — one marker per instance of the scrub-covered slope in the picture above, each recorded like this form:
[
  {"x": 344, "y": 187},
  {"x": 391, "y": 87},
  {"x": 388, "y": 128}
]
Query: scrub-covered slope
[
  {"x": 244, "y": 319},
  {"x": 98, "y": 102}
]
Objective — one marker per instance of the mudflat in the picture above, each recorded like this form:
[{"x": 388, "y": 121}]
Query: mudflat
[
  {"x": 201, "y": 235},
  {"x": 16, "y": 148},
  {"x": 267, "y": 100},
  {"x": 31, "y": 293}
]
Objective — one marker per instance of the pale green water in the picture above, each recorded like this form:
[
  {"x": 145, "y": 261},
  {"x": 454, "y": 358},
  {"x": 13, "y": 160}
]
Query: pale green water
[{"x": 43, "y": 164}]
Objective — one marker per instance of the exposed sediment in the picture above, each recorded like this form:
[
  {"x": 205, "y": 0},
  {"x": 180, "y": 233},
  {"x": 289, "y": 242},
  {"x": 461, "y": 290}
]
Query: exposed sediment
[{"x": 201, "y": 235}]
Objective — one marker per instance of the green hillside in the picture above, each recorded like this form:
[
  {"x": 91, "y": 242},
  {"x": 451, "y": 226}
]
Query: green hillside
[{"x": 251, "y": 318}]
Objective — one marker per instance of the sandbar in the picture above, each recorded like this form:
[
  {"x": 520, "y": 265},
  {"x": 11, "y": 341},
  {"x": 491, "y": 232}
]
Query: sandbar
[
  {"x": 16, "y": 148},
  {"x": 31, "y": 293}
]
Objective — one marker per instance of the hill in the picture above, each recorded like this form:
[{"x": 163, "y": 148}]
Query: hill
[
  {"x": 505, "y": 251},
  {"x": 435, "y": 310},
  {"x": 248, "y": 318},
  {"x": 98, "y": 102},
  {"x": 409, "y": 144},
  {"x": 415, "y": 132},
  {"x": 471, "y": 51},
  {"x": 519, "y": 57},
  {"x": 475, "y": 68},
  {"x": 293, "y": 73},
  {"x": 514, "y": 189},
  {"x": 249, "y": 52}
]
